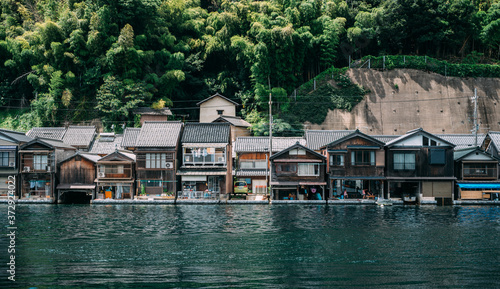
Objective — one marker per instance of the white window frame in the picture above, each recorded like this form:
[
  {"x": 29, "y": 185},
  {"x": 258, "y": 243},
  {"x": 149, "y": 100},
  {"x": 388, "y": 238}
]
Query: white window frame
[{"x": 308, "y": 169}]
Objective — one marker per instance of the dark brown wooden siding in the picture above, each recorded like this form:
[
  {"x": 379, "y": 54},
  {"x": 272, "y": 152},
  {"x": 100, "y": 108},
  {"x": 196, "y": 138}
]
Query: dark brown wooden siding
[
  {"x": 77, "y": 171},
  {"x": 422, "y": 166}
]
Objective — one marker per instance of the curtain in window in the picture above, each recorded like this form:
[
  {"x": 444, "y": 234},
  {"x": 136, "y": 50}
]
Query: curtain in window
[
  {"x": 410, "y": 161},
  {"x": 399, "y": 161}
]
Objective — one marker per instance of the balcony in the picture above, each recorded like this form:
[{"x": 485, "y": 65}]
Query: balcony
[
  {"x": 483, "y": 173},
  {"x": 192, "y": 159}
]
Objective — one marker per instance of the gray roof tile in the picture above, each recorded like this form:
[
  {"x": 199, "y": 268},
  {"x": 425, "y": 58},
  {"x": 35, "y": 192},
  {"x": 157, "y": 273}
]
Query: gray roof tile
[
  {"x": 318, "y": 138},
  {"x": 56, "y": 133},
  {"x": 107, "y": 144},
  {"x": 234, "y": 120},
  {"x": 159, "y": 134},
  {"x": 79, "y": 136},
  {"x": 261, "y": 143},
  {"x": 130, "y": 136},
  {"x": 495, "y": 138},
  {"x": 16, "y": 136},
  {"x": 151, "y": 111},
  {"x": 219, "y": 95},
  {"x": 206, "y": 133},
  {"x": 462, "y": 141}
]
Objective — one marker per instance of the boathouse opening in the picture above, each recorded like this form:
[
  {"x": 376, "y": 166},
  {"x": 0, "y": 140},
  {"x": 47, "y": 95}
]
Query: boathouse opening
[{"x": 74, "y": 197}]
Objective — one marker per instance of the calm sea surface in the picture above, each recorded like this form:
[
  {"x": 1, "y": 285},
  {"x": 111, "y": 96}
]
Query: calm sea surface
[{"x": 283, "y": 246}]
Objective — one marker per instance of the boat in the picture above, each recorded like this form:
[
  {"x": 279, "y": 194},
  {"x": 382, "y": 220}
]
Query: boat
[
  {"x": 384, "y": 202},
  {"x": 410, "y": 200}
]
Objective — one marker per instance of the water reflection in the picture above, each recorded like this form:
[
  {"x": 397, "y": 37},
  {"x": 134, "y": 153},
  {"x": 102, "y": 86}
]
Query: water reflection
[{"x": 256, "y": 246}]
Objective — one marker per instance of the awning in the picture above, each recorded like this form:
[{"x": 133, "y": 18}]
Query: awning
[
  {"x": 204, "y": 145},
  {"x": 201, "y": 173},
  {"x": 312, "y": 183},
  {"x": 75, "y": 187},
  {"x": 284, "y": 183},
  {"x": 356, "y": 178},
  {"x": 297, "y": 161},
  {"x": 487, "y": 186}
]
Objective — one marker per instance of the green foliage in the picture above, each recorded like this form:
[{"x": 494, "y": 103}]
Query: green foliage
[{"x": 64, "y": 57}]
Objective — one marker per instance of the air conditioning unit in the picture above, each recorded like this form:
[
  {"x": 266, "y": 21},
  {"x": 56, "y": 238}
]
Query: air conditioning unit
[
  {"x": 101, "y": 175},
  {"x": 169, "y": 165},
  {"x": 48, "y": 168},
  {"x": 26, "y": 169},
  {"x": 221, "y": 159},
  {"x": 12, "y": 164}
]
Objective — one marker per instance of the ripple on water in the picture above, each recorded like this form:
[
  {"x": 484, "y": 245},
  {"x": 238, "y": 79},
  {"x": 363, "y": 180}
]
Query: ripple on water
[{"x": 257, "y": 246}]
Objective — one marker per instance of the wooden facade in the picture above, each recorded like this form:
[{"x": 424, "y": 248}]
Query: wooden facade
[
  {"x": 253, "y": 168},
  {"x": 356, "y": 163},
  {"x": 38, "y": 160},
  {"x": 155, "y": 171},
  {"x": 115, "y": 176},
  {"x": 420, "y": 166},
  {"x": 77, "y": 175},
  {"x": 477, "y": 175},
  {"x": 298, "y": 173}
]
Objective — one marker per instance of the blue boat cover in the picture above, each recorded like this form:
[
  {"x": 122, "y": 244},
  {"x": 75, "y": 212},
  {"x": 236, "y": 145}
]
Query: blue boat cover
[{"x": 479, "y": 186}]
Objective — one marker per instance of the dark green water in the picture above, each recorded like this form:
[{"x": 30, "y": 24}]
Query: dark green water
[{"x": 283, "y": 246}]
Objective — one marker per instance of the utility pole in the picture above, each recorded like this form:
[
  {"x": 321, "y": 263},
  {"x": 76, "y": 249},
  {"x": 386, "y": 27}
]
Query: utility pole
[
  {"x": 476, "y": 125},
  {"x": 270, "y": 133}
]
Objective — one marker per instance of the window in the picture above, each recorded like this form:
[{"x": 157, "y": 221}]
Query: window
[
  {"x": 404, "y": 161},
  {"x": 6, "y": 159},
  {"x": 296, "y": 152},
  {"x": 428, "y": 142},
  {"x": 40, "y": 162},
  {"x": 308, "y": 170},
  {"x": 337, "y": 160},
  {"x": 253, "y": 164},
  {"x": 220, "y": 111},
  {"x": 437, "y": 157},
  {"x": 155, "y": 161},
  {"x": 286, "y": 168},
  {"x": 362, "y": 158},
  {"x": 111, "y": 169}
]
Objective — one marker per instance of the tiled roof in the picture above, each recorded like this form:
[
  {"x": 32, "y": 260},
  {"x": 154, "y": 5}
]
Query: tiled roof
[
  {"x": 151, "y": 111},
  {"x": 463, "y": 140},
  {"x": 50, "y": 142},
  {"x": 457, "y": 154},
  {"x": 106, "y": 144},
  {"x": 130, "y": 136},
  {"x": 117, "y": 154},
  {"x": 495, "y": 138},
  {"x": 91, "y": 157},
  {"x": 159, "y": 134},
  {"x": 15, "y": 135},
  {"x": 296, "y": 146},
  {"x": 250, "y": 173},
  {"x": 79, "y": 136},
  {"x": 385, "y": 138},
  {"x": 318, "y": 138},
  {"x": 234, "y": 120},
  {"x": 219, "y": 95},
  {"x": 47, "y": 132},
  {"x": 414, "y": 132},
  {"x": 206, "y": 133},
  {"x": 57, "y": 143},
  {"x": 355, "y": 134},
  {"x": 261, "y": 143}
]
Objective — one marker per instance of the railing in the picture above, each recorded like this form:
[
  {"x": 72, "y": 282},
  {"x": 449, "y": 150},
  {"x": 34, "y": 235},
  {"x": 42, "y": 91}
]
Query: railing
[
  {"x": 480, "y": 173},
  {"x": 206, "y": 195},
  {"x": 218, "y": 158}
]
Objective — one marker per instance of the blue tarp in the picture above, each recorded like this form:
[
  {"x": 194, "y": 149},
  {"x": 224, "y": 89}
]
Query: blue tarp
[{"x": 479, "y": 186}]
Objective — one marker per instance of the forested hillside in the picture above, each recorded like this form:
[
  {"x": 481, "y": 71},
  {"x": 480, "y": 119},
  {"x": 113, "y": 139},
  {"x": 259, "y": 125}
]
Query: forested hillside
[{"x": 67, "y": 61}]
